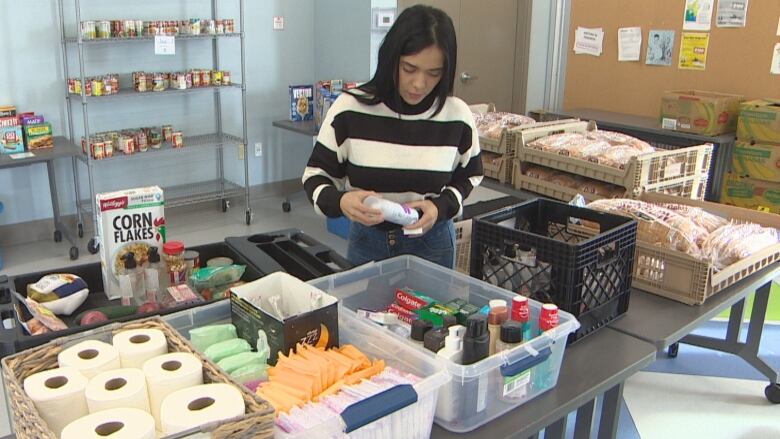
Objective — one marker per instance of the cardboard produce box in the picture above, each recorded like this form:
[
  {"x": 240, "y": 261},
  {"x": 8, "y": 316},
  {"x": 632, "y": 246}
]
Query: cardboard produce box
[
  {"x": 301, "y": 314},
  {"x": 750, "y": 193},
  {"x": 757, "y": 160},
  {"x": 759, "y": 120},
  {"x": 699, "y": 112}
]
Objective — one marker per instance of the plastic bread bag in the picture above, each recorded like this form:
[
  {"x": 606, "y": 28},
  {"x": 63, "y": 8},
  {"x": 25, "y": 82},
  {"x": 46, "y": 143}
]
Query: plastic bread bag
[
  {"x": 615, "y": 138},
  {"x": 558, "y": 142},
  {"x": 708, "y": 221},
  {"x": 590, "y": 151},
  {"x": 618, "y": 156},
  {"x": 734, "y": 242},
  {"x": 211, "y": 277},
  {"x": 598, "y": 188},
  {"x": 40, "y": 314},
  {"x": 540, "y": 173},
  {"x": 565, "y": 179}
]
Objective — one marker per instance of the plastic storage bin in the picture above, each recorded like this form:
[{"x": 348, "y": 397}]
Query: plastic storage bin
[
  {"x": 475, "y": 394},
  {"x": 532, "y": 248},
  {"x": 291, "y": 251},
  {"x": 402, "y": 412}
]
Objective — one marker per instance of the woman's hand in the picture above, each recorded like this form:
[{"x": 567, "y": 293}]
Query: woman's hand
[
  {"x": 428, "y": 218},
  {"x": 353, "y": 208}
]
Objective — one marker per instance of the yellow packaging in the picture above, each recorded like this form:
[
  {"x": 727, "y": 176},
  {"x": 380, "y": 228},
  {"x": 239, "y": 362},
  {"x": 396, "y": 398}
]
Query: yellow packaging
[
  {"x": 757, "y": 160},
  {"x": 699, "y": 112},
  {"x": 750, "y": 193},
  {"x": 759, "y": 120}
]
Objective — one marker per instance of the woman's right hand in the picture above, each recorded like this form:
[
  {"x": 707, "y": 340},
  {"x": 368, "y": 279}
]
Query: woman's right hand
[{"x": 353, "y": 208}]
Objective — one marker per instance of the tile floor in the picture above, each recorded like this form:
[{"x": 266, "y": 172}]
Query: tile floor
[{"x": 699, "y": 388}]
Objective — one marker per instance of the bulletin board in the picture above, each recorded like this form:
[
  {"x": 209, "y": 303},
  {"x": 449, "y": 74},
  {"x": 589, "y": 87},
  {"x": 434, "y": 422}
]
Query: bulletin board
[{"x": 738, "y": 59}]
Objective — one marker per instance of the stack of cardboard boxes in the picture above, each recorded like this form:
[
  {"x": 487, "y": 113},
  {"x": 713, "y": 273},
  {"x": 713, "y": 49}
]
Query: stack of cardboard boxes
[{"x": 755, "y": 180}]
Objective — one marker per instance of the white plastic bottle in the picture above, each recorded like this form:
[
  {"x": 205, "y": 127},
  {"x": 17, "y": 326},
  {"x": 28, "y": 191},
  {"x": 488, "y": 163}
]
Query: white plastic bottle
[
  {"x": 453, "y": 344},
  {"x": 393, "y": 212}
]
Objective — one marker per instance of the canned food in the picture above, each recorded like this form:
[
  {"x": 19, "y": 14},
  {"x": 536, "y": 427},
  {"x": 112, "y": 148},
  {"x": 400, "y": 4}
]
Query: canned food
[
  {"x": 184, "y": 27},
  {"x": 88, "y": 88},
  {"x": 196, "y": 78},
  {"x": 178, "y": 81},
  {"x": 195, "y": 26},
  {"x": 225, "y": 77},
  {"x": 167, "y": 132},
  {"x": 205, "y": 78},
  {"x": 219, "y": 26},
  {"x": 152, "y": 28},
  {"x": 140, "y": 140},
  {"x": 216, "y": 77},
  {"x": 97, "y": 87},
  {"x": 114, "y": 80},
  {"x": 229, "y": 26},
  {"x": 188, "y": 77},
  {"x": 139, "y": 27},
  {"x": 104, "y": 29},
  {"x": 98, "y": 150},
  {"x": 88, "y": 31},
  {"x": 108, "y": 149},
  {"x": 125, "y": 144},
  {"x": 155, "y": 136},
  {"x": 158, "y": 82},
  {"x": 177, "y": 139},
  {"x": 130, "y": 28},
  {"x": 117, "y": 29}
]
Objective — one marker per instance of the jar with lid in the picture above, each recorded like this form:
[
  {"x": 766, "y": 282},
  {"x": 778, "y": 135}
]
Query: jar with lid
[{"x": 175, "y": 265}]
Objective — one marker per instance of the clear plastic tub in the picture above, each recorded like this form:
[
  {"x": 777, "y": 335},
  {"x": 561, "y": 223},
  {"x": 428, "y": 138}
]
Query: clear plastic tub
[
  {"x": 403, "y": 411},
  {"x": 475, "y": 395}
]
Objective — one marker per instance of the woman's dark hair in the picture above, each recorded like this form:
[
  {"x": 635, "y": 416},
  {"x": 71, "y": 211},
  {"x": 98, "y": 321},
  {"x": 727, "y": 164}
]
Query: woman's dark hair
[{"x": 415, "y": 29}]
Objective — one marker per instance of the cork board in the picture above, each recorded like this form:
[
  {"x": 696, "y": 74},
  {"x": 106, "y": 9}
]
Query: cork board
[{"x": 738, "y": 60}]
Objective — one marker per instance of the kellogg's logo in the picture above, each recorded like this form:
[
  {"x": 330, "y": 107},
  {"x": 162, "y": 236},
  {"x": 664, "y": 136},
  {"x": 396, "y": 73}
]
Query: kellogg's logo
[{"x": 113, "y": 204}]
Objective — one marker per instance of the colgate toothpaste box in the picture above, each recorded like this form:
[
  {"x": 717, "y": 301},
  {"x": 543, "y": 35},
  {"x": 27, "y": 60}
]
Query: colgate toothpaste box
[
  {"x": 412, "y": 300},
  {"x": 128, "y": 221}
]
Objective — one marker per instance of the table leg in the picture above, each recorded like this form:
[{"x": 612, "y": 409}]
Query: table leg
[
  {"x": 556, "y": 430},
  {"x": 748, "y": 351},
  {"x": 55, "y": 204},
  {"x": 584, "y": 423},
  {"x": 610, "y": 412}
]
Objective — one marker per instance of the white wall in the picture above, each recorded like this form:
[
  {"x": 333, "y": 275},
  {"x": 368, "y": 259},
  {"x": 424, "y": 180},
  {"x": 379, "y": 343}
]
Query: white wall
[
  {"x": 342, "y": 40},
  {"x": 31, "y": 78},
  {"x": 378, "y": 35},
  {"x": 537, "y": 54}
]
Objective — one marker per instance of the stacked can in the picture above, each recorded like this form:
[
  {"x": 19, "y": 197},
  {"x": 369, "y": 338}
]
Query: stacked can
[{"x": 103, "y": 145}]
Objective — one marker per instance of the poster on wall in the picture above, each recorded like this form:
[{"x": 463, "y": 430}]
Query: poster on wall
[
  {"x": 588, "y": 41},
  {"x": 660, "y": 44},
  {"x": 731, "y": 13},
  {"x": 629, "y": 43},
  {"x": 775, "y": 69},
  {"x": 698, "y": 15},
  {"x": 693, "y": 50}
]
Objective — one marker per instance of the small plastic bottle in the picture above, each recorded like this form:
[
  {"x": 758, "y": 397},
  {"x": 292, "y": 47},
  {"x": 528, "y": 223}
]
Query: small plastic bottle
[
  {"x": 131, "y": 281},
  {"x": 393, "y": 212},
  {"x": 154, "y": 280}
]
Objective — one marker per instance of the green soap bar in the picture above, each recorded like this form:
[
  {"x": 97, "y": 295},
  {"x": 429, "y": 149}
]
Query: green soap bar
[
  {"x": 238, "y": 361},
  {"x": 227, "y": 348},
  {"x": 206, "y": 336}
]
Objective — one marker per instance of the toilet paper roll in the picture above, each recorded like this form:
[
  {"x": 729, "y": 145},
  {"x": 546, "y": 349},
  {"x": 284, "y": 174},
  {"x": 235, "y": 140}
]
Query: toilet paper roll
[
  {"x": 138, "y": 345},
  {"x": 91, "y": 357},
  {"x": 119, "y": 423},
  {"x": 199, "y": 405},
  {"x": 167, "y": 374},
  {"x": 58, "y": 395},
  {"x": 121, "y": 388}
]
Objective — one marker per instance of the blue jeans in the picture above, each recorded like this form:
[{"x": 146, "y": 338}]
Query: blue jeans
[{"x": 370, "y": 244}]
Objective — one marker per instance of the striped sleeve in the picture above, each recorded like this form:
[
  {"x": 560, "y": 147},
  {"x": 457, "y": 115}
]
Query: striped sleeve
[
  {"x": 325, "y": 174},
  {"x": 467, "y": 174}
]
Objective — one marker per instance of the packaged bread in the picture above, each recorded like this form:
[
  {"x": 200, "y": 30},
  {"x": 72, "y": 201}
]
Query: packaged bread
[
  {"x": 733, "y": 242},
  {"x": 615, "y": 138},
  {"x": 591, "y": 151},
  {"x": 565, "y": 179},
  {"x": 599, "y": 189},
  {"x": 617, "y": 156},
  {"x": 540, "y": 173},
  {"x": 492, "y": 124},
  {"x": 708, "y": 221},
  {"x": 560, "y": 143}
]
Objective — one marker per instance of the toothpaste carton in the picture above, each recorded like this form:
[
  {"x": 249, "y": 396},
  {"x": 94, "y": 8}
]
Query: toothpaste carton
[{"x": 128, "y": 221}]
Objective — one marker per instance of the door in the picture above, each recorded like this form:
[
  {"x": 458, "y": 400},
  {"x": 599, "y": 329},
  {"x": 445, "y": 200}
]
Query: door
[{"x": 486, "y": 52}]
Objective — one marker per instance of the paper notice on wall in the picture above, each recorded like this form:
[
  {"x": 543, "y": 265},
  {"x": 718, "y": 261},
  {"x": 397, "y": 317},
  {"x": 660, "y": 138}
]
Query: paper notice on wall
[
  {"x": 698, "y": 15},
  {"x": 775, "y": 70},
  {"x": 588, "y": 41},
  {"x": 660, "y": 45},
  {"x": 164, "y": 45},
  {"x": 731, "y": 13},
  {"x": 778, "y": 27},
  {"x": 693, "y": 50},
  {"x": 629, "y": 43}
]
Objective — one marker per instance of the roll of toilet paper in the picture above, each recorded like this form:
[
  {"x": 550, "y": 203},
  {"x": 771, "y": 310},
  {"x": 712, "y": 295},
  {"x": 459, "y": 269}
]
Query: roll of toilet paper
[
  {"x": 118, "y": 423},
  {"x": 117, "y": 389},
  {"x": 91, "y": 357},
  {"x": 58, "y": 395},
  {"x": 199, "y": 405},
  {"x": 138, "y": 345},
  {"x": 167, "y": 374}
]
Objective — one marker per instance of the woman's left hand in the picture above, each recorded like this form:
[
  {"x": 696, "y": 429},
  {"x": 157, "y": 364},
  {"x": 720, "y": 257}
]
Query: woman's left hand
[{"x": 428, "y": 218}]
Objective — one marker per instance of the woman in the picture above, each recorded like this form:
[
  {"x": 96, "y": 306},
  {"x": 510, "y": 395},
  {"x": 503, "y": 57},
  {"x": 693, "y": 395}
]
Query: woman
[{"x": 401, "y": 136}]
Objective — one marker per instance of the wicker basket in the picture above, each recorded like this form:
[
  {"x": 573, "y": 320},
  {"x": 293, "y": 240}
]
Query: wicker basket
[{"x": 258, "y": 422}]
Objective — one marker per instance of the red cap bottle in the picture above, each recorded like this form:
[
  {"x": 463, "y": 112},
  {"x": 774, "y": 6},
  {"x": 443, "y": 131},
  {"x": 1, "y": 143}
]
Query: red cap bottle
[
  {"x": 520, "y": 310},
  {"x": 548, "y": 318}
]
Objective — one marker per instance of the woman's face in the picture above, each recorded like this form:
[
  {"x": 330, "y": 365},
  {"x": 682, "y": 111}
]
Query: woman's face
[{"x": 418, "y": 74}]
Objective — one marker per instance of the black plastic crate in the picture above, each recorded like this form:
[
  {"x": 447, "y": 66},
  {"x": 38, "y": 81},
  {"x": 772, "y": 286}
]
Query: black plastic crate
[
  {"x": 539, "y": 249},
  {"x": 16, "y": 339},
  {"x": 291, "y": 251}
]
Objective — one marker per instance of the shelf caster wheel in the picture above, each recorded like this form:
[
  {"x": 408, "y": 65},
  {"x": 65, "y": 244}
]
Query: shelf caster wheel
[
  {"x": 93, "y": 247},
  {"x": 81, "y": 230},
  {"x": 286, "y": 206},
  {"x": 673, "y": 350},
  {"x": 225, "y": 205},
  {"x": 57, "y": 236},
  {"x": 248, "y": 217},
  {"x": 772, "y": 393},
  {"x": 74, "y": 253}
]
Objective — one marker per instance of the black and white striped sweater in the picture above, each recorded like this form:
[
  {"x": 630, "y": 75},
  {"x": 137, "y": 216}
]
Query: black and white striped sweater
[{"x": 403, "y": 157}]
